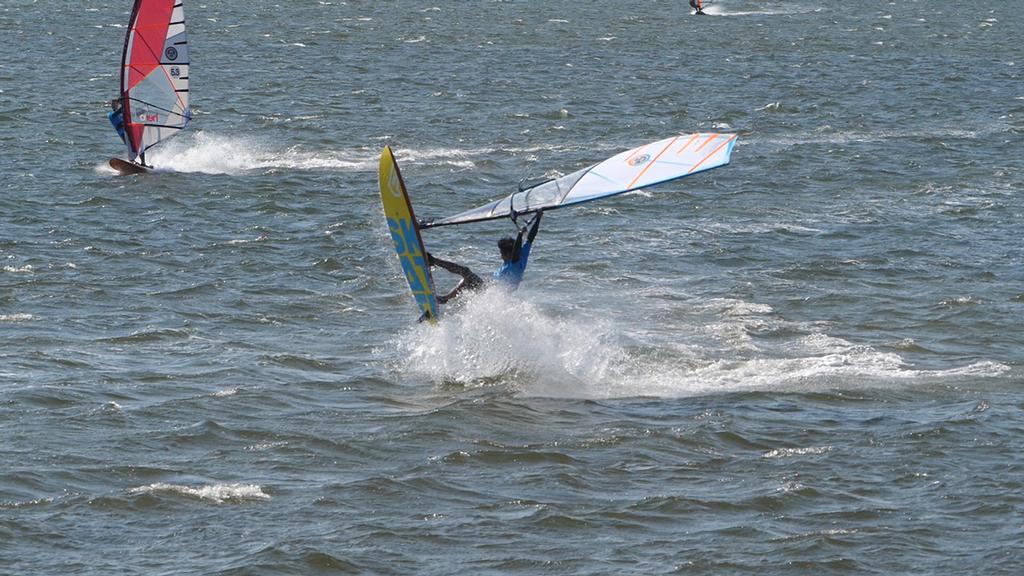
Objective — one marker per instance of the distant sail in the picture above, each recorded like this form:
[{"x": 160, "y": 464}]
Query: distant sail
[
  {"x": 699, "y": 5},
  {"x": 644, "y": 166},
  {"x": 154, "y": 74}
]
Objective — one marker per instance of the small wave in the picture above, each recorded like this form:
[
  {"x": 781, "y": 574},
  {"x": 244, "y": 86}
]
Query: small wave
[
  {"x": 147, "y": 336},
  {"x": 217, "y": 493},
  {"x": 300, "y": 362},
  {"x": 17, "y": 317},
  {"x": 787, "y": 452},
  {"x": 11, "y": 505},
  {"x": 730, "y": 307},
  {"x": 816, "y": 535},
  {"x": 520, "y": 456},
  {"x": 826, "y": 135},
  {"x": 302, "y": 559},
  {"x": 243, "y": 241},
  {"x": 266, "y": 446},
  {"x": 958, "y": 301},
  {"x": 205, "y": 287},
  {"x": 910, "y": 345},
  {"x": 329, "y": 263},
  {"x": 984, "y": 369}
]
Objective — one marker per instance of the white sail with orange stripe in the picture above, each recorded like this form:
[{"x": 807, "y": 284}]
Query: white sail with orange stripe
[{"x": 641, "y": 167}]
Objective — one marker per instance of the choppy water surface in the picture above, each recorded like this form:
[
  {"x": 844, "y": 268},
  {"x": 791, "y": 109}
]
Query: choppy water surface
[{"x": 807, "y": 362}]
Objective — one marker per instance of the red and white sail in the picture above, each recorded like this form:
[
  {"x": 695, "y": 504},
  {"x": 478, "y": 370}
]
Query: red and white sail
[{"x": 154, "y": 74}]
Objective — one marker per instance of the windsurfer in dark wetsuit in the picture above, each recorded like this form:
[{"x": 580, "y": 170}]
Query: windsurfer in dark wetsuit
[
  {"x": 697, "y": 6},
  {"x": 116, "y": 117},
  {"x": 514, "y": 255}
]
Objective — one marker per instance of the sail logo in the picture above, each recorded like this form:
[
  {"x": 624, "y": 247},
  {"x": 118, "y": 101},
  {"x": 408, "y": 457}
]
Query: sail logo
[
  {"x": 147, "y": 117},
  {"x": 643, "y": 158},
  {"x": 394, "y": 185},
  {"x": 171, "y": 53}
]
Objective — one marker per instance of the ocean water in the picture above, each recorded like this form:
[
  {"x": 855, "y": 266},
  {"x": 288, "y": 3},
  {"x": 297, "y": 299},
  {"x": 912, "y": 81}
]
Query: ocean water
[{"x": 808, "y": 362}]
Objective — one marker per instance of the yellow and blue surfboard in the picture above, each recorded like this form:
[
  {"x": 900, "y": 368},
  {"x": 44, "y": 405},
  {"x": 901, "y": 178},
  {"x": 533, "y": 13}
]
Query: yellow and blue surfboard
[{"x": 405, "y": 234}]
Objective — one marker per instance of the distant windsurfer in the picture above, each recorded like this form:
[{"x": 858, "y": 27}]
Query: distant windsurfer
[
  {"x": 116, "y": 117},
  {"x": 698, "y": 6},
  {"x": 514, "y": 255}
]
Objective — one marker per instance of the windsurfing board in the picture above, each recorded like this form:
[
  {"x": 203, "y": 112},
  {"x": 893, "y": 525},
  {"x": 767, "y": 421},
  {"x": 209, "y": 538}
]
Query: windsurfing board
[
  {"x": 124, "y": 167},
  {"x": 405, "y": 234}
]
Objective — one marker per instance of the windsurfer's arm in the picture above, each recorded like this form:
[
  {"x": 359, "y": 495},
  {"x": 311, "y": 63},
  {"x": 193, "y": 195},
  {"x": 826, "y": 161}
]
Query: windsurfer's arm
[
  {"x": 449, "y": 266},
  {"x": 518, "y": 249},
  {"x": 469, "y": 280},
  {"x": 535, "y": 227},
  {"x": 462, "y": 285},
  {"x": 468, "y": 276},
  {"x": 455, "y": 292}
]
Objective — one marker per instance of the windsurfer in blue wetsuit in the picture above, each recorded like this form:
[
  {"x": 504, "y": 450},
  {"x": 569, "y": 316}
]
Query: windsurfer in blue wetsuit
[
  {"x": 697, "y": 6},
  {"x": 116, "y": 117},
  {"x": 514, "y": 255}
]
